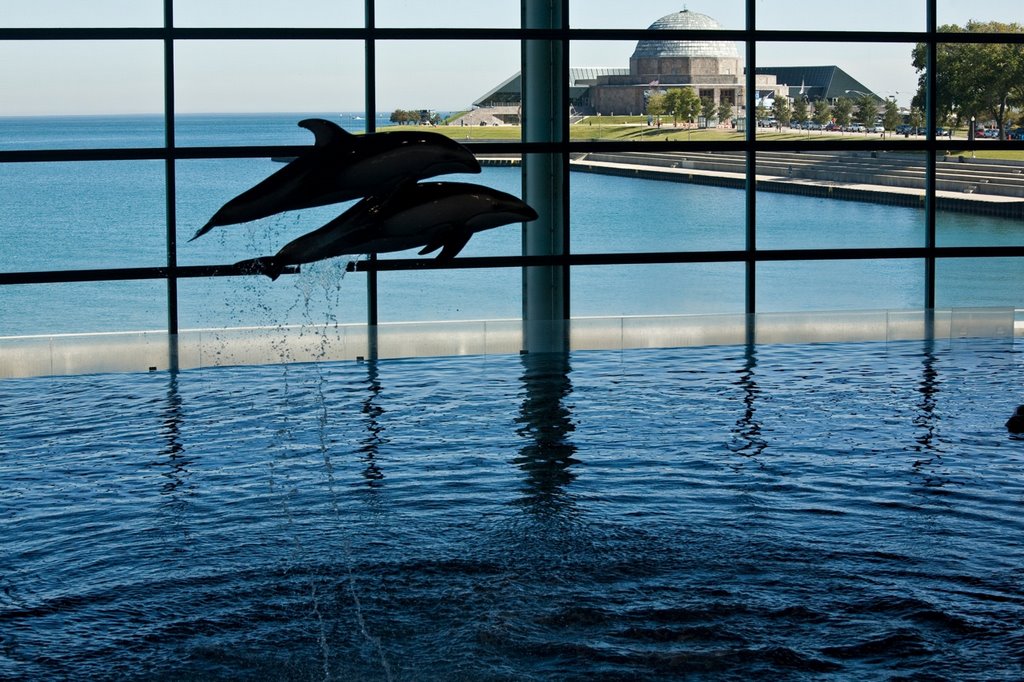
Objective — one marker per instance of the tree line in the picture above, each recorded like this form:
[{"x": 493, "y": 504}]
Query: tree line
[
  {"x": 868, "y": 109},
  {"x": 415, "y": 117},
  {"x": 683, "y": 104},
  {"x": 984, "y": 81}
]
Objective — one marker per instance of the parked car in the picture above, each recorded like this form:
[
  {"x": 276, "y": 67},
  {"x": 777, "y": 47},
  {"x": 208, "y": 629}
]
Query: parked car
[{"x": 878, "y": 129}]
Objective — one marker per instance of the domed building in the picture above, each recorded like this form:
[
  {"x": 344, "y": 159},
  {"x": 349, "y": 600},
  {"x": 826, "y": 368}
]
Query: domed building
[
  {"x": 712, "y": 67},
  {"x": 696, "y": 58}
]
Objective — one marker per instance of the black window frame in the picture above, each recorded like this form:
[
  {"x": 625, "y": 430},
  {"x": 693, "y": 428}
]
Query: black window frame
[{"x": 561, "y": 146}]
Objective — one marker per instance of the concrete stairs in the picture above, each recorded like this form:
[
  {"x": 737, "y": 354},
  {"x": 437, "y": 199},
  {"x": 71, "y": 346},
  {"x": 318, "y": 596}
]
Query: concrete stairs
[{"x": 889, "y": 169}]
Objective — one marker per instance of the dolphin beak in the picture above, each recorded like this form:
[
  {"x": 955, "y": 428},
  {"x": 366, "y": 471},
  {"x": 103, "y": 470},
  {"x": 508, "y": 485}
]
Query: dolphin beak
[{"x": 528, "y": 213}]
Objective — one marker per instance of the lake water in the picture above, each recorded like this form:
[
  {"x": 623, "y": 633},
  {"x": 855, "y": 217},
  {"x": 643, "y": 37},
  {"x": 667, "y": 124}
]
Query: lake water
[
  {"x": 112, "y": 214},
  {"x": 790, "y": 512}
]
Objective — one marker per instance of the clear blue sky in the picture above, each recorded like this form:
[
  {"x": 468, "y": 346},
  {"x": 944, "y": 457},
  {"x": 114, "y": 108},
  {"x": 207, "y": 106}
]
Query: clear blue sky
[{"x": 119, "y": 77}]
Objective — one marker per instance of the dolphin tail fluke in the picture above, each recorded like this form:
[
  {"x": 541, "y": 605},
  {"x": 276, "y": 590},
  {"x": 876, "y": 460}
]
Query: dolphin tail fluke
[{"x": 265, "y": 265}]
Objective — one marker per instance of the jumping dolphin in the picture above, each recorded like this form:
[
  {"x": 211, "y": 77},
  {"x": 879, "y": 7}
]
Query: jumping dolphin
[
  {"x": 341, "y": 166},
  {"x": 432, "y": 215}
]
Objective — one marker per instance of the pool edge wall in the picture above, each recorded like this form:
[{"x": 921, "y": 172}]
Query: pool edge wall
[{"x": 65, "y": 354}]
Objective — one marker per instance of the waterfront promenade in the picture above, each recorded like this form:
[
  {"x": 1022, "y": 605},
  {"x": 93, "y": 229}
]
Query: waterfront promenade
[{"x": 978, "y": 186}]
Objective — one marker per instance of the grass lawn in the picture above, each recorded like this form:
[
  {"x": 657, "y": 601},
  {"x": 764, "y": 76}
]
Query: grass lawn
[{"x": 634, "y": 128}]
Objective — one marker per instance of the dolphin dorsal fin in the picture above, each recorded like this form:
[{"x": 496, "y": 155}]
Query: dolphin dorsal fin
[{"x": 326, "y": 132}]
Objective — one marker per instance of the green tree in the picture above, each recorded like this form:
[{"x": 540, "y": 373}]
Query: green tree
[
  {"x": 724, "y": 111},
  {"x": 683, "y": 103},
  {"x": 891, "y": 118},
  {"x": 761, "y": 111},
  {"x": 985, "y": 80},
  {"x": 657, "y": 104},
  {"x": 843, "y": 111},
  {"x": 867, "y": 110},
  {"x": 822, "y": 112},
  {"x": 801, "y": 113},
  {"x": 781, "y": 111},
  {"x": 916, "y": 117},
  {"x": 708, "y": 109}
]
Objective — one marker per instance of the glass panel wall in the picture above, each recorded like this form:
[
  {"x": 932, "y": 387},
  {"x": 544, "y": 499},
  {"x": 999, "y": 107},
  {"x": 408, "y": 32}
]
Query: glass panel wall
[
  {"x": 77, "y": 216},
  {"x": 839, "y": 285},
  {"x": 866, "y": 15},
  {"x": 979, "y": 282},
  {"x": 850, "y": 92},
  {"x": 620, "y": 204},
  {"x": 268, "y": 13},
  {"x": 86, "y": 112},
  {"x": 839, "y": 200},
  {"x": 726, "y": 15},
  {"x": 82, "y": 307},
  {"x": 58, "y": 78},
  {"x": 451, "y": 14},
  {"x": 659, "y": 289},
  {"x": 257, "y": 78},
  {"x": 92, "y": 14},
  {"x": 439, "y": 82}
]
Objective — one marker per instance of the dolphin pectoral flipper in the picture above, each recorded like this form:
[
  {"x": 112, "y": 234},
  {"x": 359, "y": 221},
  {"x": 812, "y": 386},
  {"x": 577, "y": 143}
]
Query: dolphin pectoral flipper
[
  {"x": 265, "y": 265},
  {"x": 454, "y": 244},
  {"x": 203, "y": 230},
  {"x": 325, "y": 132},
  {"x": 435, "y": 243}
]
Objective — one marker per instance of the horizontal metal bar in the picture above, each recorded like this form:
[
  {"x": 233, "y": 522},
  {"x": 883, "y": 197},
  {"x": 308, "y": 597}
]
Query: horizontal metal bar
[
  {"x": 582, "y": 259},
  {"x": 397, "y": 264},
  {"x": 126, "y": 274},
  {"x": 512, "y": 34},
  {"x": 809, "y": 143}
]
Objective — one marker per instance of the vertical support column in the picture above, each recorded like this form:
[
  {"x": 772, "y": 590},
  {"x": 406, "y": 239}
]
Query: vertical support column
[
  {"x": 170, "y": 190},
  {"x": 370, "y": 92},
  {"x": 750, "y": 213},
  {"x": 929, "y": 172},
  {"x": 545, "y": 312}
]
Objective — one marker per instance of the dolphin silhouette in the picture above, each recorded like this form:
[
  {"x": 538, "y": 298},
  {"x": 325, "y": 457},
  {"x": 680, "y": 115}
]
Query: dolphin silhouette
[
  {"x": 341, "y": 166},
  {"x": 432, "y": 215}
]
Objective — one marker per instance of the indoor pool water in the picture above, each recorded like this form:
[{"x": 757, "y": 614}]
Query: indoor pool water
[{"x": 831, "y": 511}]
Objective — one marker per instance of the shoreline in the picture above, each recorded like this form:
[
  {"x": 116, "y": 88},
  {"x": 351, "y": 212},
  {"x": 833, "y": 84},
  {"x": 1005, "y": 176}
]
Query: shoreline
[{"x": 955, "y": 201}]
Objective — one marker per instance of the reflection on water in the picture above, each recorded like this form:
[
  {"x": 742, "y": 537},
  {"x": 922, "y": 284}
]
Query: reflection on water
[
  {"x": 374, "y": 439},
  {"x": 545, "y": 422},
  {"x": 748, "y": 441},
  {"x": 571, "y": 517},
  {"x": 174, "y": 463}
]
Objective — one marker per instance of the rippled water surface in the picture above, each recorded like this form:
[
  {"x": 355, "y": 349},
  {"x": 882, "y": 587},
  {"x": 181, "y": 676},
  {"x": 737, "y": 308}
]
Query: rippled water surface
[{"x": 847, "y": 511}]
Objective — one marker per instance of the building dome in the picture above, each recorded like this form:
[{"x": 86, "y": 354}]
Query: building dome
[{"x": 685, "y": 21}]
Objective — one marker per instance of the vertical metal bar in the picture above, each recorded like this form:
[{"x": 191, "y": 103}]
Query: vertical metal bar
[
  {"x": 170, "y": 188},
  {"x": 929, "y": 176},
  {"x": 563, "y": 68},
  {"x": 750, "y": 138},
  {"x": 543, "y": 78},
  {"x": 370, "y": 92}
]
